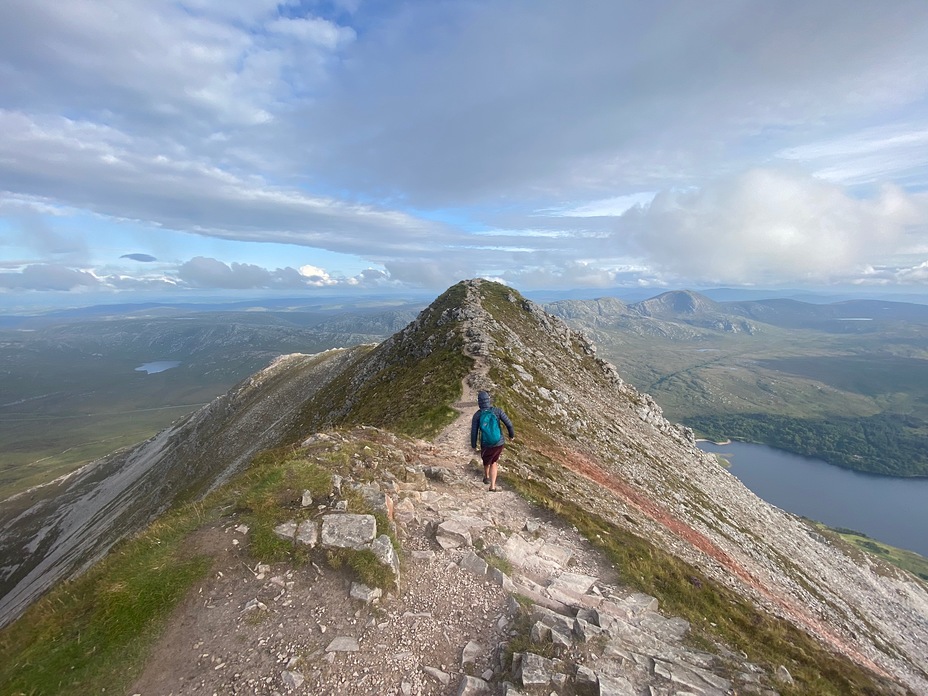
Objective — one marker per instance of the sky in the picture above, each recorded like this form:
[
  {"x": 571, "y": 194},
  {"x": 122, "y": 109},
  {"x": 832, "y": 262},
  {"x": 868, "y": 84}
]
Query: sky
[{"x": 155, "y": 148}]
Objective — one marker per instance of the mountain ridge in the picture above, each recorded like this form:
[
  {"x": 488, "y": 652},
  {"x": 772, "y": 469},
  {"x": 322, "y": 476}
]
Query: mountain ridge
[{"x": 588, "y": 441}]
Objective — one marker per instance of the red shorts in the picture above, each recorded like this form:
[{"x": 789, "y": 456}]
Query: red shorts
[{"x": 491, "y": 454}]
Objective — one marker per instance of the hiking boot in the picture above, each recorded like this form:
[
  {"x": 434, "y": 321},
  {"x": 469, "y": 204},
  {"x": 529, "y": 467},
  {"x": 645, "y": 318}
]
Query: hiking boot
[{"x": 486, "y": 480}]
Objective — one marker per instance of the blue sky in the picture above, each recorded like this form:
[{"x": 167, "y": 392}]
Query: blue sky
[{"x": 165, "y": 149}]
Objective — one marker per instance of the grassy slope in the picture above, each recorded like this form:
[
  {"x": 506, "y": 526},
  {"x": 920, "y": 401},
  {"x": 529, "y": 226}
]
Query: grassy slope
[
  {"x": 716, "y": 613},
  {"x": 413, "y": 390},
  {"x": 901, "y": 558}
]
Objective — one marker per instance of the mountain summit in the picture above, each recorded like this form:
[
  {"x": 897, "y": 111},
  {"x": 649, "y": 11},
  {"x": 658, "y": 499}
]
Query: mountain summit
[{"x": 596, "y": 459}]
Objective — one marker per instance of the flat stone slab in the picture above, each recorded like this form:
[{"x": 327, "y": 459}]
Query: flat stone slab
[
  {"x": 348, "y": 531},
  {"x": 452, "y": 534},
  {"x": 474, "y": 564},
  {"x": 535, "y": 670},
  {"x": 343, "y": 644},
  {"x": 307, "y": 532},
  {"x": 569, "y": 587},
  {"x": 615, "y": 686},
  {"x": 517, "y": 550},
  {"x": 558, "y": 554}
]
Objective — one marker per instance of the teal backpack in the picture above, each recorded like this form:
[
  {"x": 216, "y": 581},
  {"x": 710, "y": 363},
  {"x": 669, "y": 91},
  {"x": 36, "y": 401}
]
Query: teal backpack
[{"x": 490, "y": 434}]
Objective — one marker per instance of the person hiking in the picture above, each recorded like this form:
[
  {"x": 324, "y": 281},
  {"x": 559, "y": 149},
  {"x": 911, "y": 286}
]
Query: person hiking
[{"x": 486, "y": 424}]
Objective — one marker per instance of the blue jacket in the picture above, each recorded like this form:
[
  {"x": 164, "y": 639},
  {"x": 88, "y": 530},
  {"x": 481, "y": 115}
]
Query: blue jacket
[{"x": 484, "y": 401}]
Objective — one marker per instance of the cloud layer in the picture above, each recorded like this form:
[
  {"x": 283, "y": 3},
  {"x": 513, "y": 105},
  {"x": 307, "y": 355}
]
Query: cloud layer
[{"x": 545, "y": 143}]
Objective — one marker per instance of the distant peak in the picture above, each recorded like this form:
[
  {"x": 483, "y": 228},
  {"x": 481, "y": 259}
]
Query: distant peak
[{"x": 676, "y": 302}]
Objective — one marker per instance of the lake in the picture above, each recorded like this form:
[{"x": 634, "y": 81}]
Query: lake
[
  {"x": 888, "y": 509},
  {"x": 157, "y": 366}
]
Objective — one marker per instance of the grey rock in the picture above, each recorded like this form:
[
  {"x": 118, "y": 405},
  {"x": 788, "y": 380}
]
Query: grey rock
[
  {"x": 615, "y": 686},
  {"x": 532, "y": 526},
  {"x": 439, "y": 473},
  {"x": 472, "y": 686},
  {"x": 540, "y": 632},
  {"x": 693, "y": 678},
  {"x": 535, "y": 670},
  {"x": 348, "y": 531},
  {"x": 377, "y": 499},
  {"x": 585, "y": 630},
  {"x": 472, "y": 563},
  {"x": 560, "y": 640},
  {"x": 452, "y": 534},
  {"x": 292, "y": 680},
  {"x": 438, "y": 675},
  {"x": 413, "y": 475},
  {"x": 343, "y": 644},
  {"x": 386, "y": 554},
  {"x": 307, "y": 533},
  {"x": 558, "y": 554},
  {"x": 666, "y": 629},
  {"x": 364, "y": 593},
  {"x": 586, "y": 682},
  {"x": 470, "y": 653},
  {"x": 286, "y": 530}
]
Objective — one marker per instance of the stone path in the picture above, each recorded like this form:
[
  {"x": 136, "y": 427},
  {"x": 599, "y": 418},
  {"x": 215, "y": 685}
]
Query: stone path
[{"x": 495, "y": 597}]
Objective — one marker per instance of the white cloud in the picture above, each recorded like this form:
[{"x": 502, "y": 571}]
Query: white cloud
[
  {"x": 352, "y": 127},
  {"x": 314, "y": 275},
  {"x": 137, "y": 183},
  {"x": 770, "y": 227}
]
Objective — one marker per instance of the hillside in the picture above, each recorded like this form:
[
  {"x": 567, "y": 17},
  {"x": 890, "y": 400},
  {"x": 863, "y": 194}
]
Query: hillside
[
  {"x": 682, "y": 581},
  {"x": 845, "y": 382}
]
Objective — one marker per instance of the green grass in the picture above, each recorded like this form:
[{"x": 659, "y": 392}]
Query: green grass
[
  {"x": 41, "y": 450},
  {"x": 367, "y": 569},
  {"x": 91, "y": 635},
  {"x": 412, "y": 392}
]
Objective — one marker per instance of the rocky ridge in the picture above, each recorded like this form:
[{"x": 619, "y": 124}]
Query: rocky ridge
[
  {"x": 491, "y": 571},
  {"x": 658, "y": 483},
  {"x": 584, "y": 435},
  {"x": 494, "y": 597}
]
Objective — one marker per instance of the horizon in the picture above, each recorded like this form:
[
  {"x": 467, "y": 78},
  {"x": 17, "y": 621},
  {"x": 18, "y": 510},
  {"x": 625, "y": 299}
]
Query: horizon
[
  {"x": 180, "y": 149},
  {"x": 384, "y": 299}
]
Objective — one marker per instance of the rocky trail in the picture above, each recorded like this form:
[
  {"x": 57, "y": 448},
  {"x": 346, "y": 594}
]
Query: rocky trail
[{"x": 494, "y": 597}]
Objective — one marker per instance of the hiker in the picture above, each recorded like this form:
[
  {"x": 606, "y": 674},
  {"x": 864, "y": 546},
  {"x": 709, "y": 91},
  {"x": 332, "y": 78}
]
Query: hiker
[{"x": 486, "y": 424}]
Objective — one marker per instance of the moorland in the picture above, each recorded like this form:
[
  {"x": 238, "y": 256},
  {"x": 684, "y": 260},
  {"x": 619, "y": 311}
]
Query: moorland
[{"x": 71, "y": 390}]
